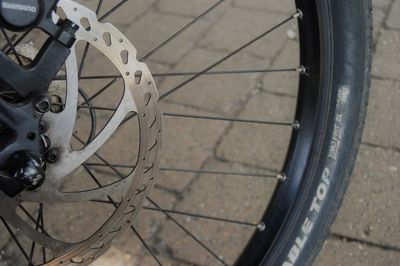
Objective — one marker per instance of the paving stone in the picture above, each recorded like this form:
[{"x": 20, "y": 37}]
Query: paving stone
[
  {"x": 387, "y": 58},
  {"x": 341, "y": 253},
  {"x": 216, "y": 93},
  {"x": 117, "y": 258},
  {"x": 232, "y": 197},
  {"x": 154, "y": 28},
  {"x": 370, "y": 209},
  {"x": 393, "y": 20},
  {"x": 381, "y": 3},
  {"x": 230, "y": 32},
  {"x": 285, "y": 6},
  {"x": 261, "y": 145},
  {"x": 379, "y": 19},
  {"x": 192, "y": 7},
  {"x": 125, "y": 15},
  {"x": 284, "y": 82},
  {"x": 128, "y": 249},
  {"x": 186, "y": 144},
  {"x": 383, "y": 120}
]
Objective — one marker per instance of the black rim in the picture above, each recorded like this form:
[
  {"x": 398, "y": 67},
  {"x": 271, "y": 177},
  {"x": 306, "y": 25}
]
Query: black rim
[{"x": 300, "y": 147}]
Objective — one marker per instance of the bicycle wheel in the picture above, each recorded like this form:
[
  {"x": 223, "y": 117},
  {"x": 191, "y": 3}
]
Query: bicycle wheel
[{"x": 102, "y": 136}]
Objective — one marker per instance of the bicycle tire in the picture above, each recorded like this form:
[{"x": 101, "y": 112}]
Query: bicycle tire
[{"x": 345, "y": 41}]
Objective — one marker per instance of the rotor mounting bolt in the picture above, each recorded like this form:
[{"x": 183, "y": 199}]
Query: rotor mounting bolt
[
  {"x": 52, "y": 156},
  {"x": 43, "y": 105}
]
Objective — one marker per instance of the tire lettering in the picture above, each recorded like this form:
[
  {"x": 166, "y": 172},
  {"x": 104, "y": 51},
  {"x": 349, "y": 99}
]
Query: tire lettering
[
  {"x": 308, "y": 224},
  {"x": 323, "y": 188}
]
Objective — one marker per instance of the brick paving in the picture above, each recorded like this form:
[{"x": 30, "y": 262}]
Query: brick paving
[{"x": 367, "y": 229}]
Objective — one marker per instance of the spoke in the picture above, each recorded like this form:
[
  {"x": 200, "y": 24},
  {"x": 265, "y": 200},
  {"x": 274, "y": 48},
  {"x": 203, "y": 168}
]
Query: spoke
[
  {"x": 179, "y": 32},
  {"x": 208, "y": 172},
  {"x": 15, "y": 43},
  {"x": 201, "y": 216},
  {"x": 43, "y": 231},
  {"x": 165, "y": 213},
  {"x": 97, "y": 108},
  {"x": 11, "y": 46},
  {"x": 101, "y": 158},
  {"x": 111, "y": 201},
  {"x": 86, "y": 102},
  {"x": 112, "y": 164},
  {"x": 169, "y": 216},
  {"x": 86, "y": 50},
  {"x": 99, "y": 5},
  {"x": 33, "y": 246},
  {"x": 98, "y": 183},
  {"x": 32, "y": 218},
  {"x": 188, "y": 232},
  {"x": 15, "y": 239},
  {"x": 146, "y": 246},
  {"x": 112, "y": 10},
  {"x": 41, "y": 225},
  {"x": 182, "y": 170},
  {"x": 195, "y": 215},
  {"x": 294, "y": 124},
  {"x": 79, "y": 106},
  {"x": 166, "y": 94},
  {"x": 300, "y": 69},
  {"x": 229, "y": 72},
  {"x": 91, "y": 77},
  {"x": 83, "y": 60}
]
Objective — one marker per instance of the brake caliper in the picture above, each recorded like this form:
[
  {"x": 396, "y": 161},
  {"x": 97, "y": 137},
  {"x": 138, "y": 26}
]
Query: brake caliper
[{"x": 21, "y": 156}]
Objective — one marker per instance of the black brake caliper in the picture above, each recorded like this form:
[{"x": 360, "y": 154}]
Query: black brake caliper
[{"x": 21, "y": 158}]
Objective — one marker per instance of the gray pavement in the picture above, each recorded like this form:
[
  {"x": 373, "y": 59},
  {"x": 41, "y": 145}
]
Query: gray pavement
[{"x": 366, "y": 231}]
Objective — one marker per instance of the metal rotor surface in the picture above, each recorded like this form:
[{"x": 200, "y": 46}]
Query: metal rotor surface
[{"x": 139, "y": 97}]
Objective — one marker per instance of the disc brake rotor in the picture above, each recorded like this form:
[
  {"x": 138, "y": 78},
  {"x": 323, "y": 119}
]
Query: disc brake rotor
[{"x": 139, "y": 99}]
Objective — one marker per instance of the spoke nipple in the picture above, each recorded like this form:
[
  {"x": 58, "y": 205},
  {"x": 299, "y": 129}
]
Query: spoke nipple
[
  {"x": 281, "y": 176},
  {"x": 261, "y": 226},
  {"x": 296, "y": 125},
  {"x": 299, "y": 14},
  {"x": 302, "y": 70}
]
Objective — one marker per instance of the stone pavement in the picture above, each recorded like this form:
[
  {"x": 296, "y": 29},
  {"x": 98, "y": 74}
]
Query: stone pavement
[{"x": 366, "y": 231}]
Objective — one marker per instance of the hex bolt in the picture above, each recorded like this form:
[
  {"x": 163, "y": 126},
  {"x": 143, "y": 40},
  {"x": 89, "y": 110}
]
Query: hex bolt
[
  {"x": 52, "y": 156},
  {"x": 43, "y": 105}
]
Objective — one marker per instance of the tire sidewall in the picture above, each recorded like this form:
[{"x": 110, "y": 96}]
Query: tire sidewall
[{"x": 344, "y": 40}]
